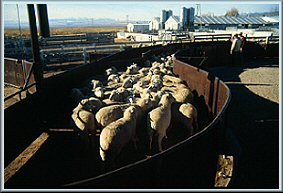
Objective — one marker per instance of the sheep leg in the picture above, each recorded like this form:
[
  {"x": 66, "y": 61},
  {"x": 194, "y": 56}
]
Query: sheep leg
[
  {"x": 191, "y": 130},
  {"x": 150, "y": 144},
  {"x": 160, "y": 142},
  {"x": 165, "y": 135}
]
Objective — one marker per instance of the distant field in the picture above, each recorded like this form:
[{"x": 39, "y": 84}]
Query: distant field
[{"x": 66, "y": 30}]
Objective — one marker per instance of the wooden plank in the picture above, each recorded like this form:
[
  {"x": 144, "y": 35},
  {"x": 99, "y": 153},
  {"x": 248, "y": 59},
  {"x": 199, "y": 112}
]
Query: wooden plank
[
  {"x": 23, "y": 158},
  {"x": 61, "y": 130}
]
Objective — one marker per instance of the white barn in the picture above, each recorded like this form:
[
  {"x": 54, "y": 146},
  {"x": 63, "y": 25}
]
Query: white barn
[
  {"x": 138, "y": 27},
  {"x": 154, "y": 24},
  {"x": 173, "y": 23}
]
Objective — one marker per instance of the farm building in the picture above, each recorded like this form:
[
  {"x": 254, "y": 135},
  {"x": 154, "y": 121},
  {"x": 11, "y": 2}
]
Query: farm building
[
  {"x": 173, "y": 23},
  {"x": 138, "y": 27},
  {"x": 188, "y": 21},
  {"x": 155, "y": 24},
  {"x": 223, "y": 22}
]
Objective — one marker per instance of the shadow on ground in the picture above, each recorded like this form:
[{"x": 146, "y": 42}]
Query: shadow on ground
[{"x": 254, "y": 122}]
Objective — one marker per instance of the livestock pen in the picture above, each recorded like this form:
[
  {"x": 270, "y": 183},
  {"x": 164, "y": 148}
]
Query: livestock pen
[{"x": 58, "y": 162}]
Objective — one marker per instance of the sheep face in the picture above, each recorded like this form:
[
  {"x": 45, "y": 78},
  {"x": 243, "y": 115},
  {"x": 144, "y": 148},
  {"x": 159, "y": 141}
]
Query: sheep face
[
  {"x": 113, "y": 78},
  {"x": 99, "y": 92},
  {"x": 111, "y": 70},
  {"x": 92, "y": 104},
  {"x": 145, "y": 104},
  {"x": 96, "y": 83},
  {"x": 130, "y": 113},
  {"x": 133, "y": 69},
  {"x": 166, "y": 99}
]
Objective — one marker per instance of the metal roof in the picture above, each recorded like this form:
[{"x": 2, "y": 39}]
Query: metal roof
[
  {"x": 174, "y": 17},
  {"x": 228, "y": 20}
]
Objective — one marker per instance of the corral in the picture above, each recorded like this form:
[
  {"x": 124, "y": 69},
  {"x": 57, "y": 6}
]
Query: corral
[
  {"x": 56, "y": 117},
  {"x": 58, "y": 156}
]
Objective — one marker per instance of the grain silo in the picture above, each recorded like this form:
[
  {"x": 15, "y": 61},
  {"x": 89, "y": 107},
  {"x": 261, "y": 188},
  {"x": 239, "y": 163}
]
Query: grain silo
[
  {"x": 184, "y": 17},
  {"x": 187, "y": 18},
  {"x": 164, "y": 16},
  {"x": 191, "y": 18}
]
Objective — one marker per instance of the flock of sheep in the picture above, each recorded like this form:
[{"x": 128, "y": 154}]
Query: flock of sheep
[{"x": 122, "y": 105}]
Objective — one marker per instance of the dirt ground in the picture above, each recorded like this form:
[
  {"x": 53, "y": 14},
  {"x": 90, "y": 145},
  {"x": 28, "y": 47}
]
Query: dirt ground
[
  {"x": 253, "y": 122},
  {"x": 65, "y": 31}
]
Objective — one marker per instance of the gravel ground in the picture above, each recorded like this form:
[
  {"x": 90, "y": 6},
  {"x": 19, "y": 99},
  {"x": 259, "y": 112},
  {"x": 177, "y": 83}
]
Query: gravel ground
[
  {"x": 263, "y": 81},
  {"x": 253, "y": 122}
]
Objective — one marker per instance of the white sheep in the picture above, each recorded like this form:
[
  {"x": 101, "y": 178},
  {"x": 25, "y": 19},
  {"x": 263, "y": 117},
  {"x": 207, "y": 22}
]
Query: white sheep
[
  {"x": 139, "y": 86},
  {"x": 183, "y": 94},
  {"x": 189, "y": 117},
  {"x": 120, "y": 94},
  {"x": 108, "y": 102},
  {"x": 124, "y": 92},
  {"x": 146, "y": 92},
  {"x": 180, "y": 92},
  {"x": 128, "y": 82},
  {"x": 83, "y": 120},
  {"x": 131, "y": 97},
  {"x": 91, "y": 104},
  {"x": 133, "y": 69},
  {"x": 117, "y": 135},
  {"x": 123, "y": 76},
  {"x": 156, "y": 79},
  {"x": 116, "y": 96},
  {"x": 155, "y": 64},
  {"x": 113, "y": 85},
  {"x": 145, "y": 104},
  {"x": 156, "y": 96},
  {"x": 113, "y": 78},
  {"x": 144, "y": 71},
  {"x": 173, "y": 79},
  {"x": 95, "y": 84},
  {"x": 99, "y": 92},
  {"x": 158, "y": 120},
  {"x": 109, "y": 114},
  {"x": 112, "y": 70}
]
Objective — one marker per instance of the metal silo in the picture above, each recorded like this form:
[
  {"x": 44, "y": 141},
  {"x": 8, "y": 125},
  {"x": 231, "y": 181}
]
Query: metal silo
[
  {"x": 163, "y": 18},
  {"x": 184, "y": 17},
  {"x": 191, "y": 18}
]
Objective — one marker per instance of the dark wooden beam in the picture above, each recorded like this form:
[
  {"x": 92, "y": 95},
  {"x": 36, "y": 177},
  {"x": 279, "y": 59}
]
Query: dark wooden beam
[
  {"x": 37, "y": 66},
  {"x": 44, "y": 30}
]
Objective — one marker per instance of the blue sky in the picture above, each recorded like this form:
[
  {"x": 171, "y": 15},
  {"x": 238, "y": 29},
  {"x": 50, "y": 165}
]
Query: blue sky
[{"x": 136, "y": 10}]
